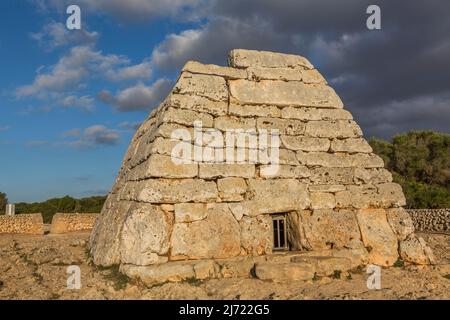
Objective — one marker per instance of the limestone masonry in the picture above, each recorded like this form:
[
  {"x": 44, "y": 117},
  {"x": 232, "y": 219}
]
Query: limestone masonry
[
  {"x": 31, "y": 223},
  {"x": 434, "y": 220},
  {"x": 330, "y": 204},
  {"x": 70, "y": 222}
]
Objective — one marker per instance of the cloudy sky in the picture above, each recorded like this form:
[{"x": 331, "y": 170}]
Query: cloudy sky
[{"x": 70, "y": 100}]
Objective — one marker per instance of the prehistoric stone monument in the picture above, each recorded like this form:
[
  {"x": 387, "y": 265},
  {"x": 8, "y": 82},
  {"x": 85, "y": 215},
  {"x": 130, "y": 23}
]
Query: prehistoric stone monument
[{"x": 253, "y": 169}]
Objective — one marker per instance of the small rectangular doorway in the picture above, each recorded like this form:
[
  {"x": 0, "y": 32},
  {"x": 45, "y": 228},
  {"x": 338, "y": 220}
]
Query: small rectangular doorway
[{"x": 279, "y": 232}]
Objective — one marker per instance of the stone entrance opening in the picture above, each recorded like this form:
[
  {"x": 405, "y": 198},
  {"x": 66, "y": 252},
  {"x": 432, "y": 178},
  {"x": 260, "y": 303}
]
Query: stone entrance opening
[{"x": 280, "y": 241}]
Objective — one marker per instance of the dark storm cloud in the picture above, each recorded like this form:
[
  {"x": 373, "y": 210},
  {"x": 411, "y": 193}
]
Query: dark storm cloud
[{"x": 393, "y": 79}]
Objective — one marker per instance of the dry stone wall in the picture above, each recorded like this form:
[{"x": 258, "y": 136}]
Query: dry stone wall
[
  {"x": 70, "y": 222},
  {"x": 30, "y": 223},
  {"x": 434, "y": 220},
  {"x": 335, "y": 192}
]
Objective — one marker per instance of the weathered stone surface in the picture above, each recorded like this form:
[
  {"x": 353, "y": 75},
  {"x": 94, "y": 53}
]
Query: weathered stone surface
[
  {"x": 150, "y": 275},
  {"x": 199, "y": 240},
  {"x": 283, "y": 93},
  {"x": 264, "y": 73},
  {"x": 187, "y": 117},
  {"x": 254, "y": 111},
  {"x": 199, "y": 104},
  {"x": 326, "y": 229},
  {"x": 241, "y": 58},
  {"x": 313, "y": 76},
  {"x": 339, "y": 160},
  {"x": 217, "y": 207},
  {"x": 225, "y": 123},
  {"x": 307, "y": 114},
  {"x": 331, "y": 176},
  {"x": 305, "y": 143},
  {"x": 285, "y": 126},
  {"x": 391, "y": 194},
  {"x": 206, "y": 269},
  {"x": 171, "y": 191},
  {"x": 219, "y": 170},
  {"x": 105, "y": 236},
  {"x": 322, "y": 200},
  {"x": 69, "y": 222},
  {"x": 163, "y": 166},
  {"x": 400, "y": 222},
  {"x": 226, "y": 72},
  {"x": 326, "y": 188},
  {"x": 372, "y": 176},
  {"x": 415, "y": 250},
  {"x": 212, "y": 87},
  {"x": 290, "y": 194},
  {"x": 378, "y": 236},
  {"x": 31, "y": 223},
  {"x": 351, "y": 145},
  {"x": 333, "y": 129},
  {"x": 256, "y": 235},
  {"x": 284, "y": 271},
  {"x": 151, "y": 226},
  {"x": 325, "y": 266},
  {"x": 283, "y": 171},
  {"x": 232, "y": 189},
  {"x": 189, "y": 212}
]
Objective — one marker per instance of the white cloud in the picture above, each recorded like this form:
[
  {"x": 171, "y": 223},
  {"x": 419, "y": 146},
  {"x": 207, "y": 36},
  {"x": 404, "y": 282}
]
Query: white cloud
[
  {"x": 93, "y": 136},
  {"x": 141, "y": 71},
  {"x": 138, "y": 97},
  {"x": 55, "y": 34},
  {"x": 85, "y": 103},
  {"x": 79, "y": 64}
]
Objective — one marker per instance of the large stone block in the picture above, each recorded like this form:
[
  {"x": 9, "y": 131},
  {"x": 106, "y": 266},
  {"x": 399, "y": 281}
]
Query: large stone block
[
  {"x": 226, "y": 123},
  {"x": 285, "y": 271},
  {"x": 242, "y": 58},
  {"x": 283, "y": 93},
  {"x": 305, "y": 143},
  {"x": 351, "y": 145},
  {"x": 145, "y": 235},
  {"x": 290, "y": 194},
  {"x": 226, "y": 72},
  {"x": 284, "y": 126},
  {"x": 212, "y": 87},
  {"x": 327, "y": 229},
  {"x": 256, "y": 235},
  {"x": 171, "y": 191},
  {"x": 164, "y": 167},
  {"x": 189, "y": 212},
  {"x": 186, "y": 117},
  {"x": 232, "y": 189},
  {"x": 333, "y": 129},
  {"x": 200, "y": 240},
  {"x": 219, "y": 170},
  {"x": 400, "y": 222},
  {"x": 378, "y": 237},
  {"x": 199, "y": 104},
  {"x": 254, "y": 110},
  {"x": 307, "y": 114},
  {"x": 415, "y": 250}
]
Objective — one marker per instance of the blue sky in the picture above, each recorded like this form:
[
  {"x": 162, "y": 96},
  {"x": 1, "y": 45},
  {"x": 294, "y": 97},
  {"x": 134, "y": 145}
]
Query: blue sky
[{"x": 71, "y": 100}]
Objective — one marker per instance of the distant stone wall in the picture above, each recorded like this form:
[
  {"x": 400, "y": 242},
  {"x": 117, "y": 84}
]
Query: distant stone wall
[
  {"x": 31, "y": 223},
  {"x": 69, "y": 222},
  {"x": 436, "y": 220}
]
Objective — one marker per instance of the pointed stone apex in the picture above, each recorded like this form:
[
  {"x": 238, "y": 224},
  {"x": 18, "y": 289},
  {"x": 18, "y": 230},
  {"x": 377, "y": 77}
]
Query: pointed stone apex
[{"x": 242, "y": 58}]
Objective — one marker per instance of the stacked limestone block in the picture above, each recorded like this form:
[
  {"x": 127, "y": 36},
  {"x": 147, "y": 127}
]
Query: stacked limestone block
[
  {"x": 30, "y": 223},
  {"x": 72, "y": 222},
  {"x": 334, "y": 190}
]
